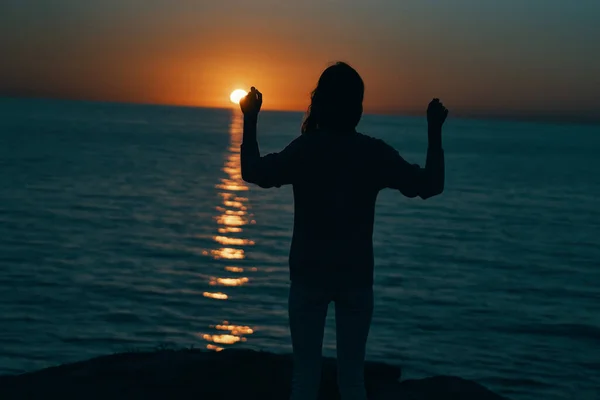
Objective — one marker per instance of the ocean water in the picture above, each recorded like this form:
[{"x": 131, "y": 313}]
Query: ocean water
[{"x": 126, "y": 227}]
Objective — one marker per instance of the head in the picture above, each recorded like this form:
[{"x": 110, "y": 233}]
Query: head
[{"x": 336, "y": 103}]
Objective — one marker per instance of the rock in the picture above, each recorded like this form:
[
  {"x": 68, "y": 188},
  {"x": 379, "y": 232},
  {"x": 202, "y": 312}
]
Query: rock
[
  {"x": 230, "y": 374},
  {"x": 444, "y": 388}
]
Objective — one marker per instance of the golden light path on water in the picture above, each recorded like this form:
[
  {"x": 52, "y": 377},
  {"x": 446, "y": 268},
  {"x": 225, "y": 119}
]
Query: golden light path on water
[{"x": 230, "y": 244}]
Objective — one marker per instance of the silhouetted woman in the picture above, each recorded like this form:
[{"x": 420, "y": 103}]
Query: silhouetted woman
[{"x": 336, "y": 174}]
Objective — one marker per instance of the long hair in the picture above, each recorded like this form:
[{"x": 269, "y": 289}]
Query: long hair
[{"x": 336, "y": 103}]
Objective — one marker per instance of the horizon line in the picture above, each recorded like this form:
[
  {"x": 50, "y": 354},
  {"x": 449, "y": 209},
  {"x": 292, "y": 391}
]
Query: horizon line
[{"x": 517, "y": 116}]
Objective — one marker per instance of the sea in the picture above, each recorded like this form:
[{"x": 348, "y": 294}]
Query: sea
[{"x": 128, "y": 227}]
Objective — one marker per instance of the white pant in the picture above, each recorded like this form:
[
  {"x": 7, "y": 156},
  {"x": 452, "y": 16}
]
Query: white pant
[{"x": 307, "y": 312}]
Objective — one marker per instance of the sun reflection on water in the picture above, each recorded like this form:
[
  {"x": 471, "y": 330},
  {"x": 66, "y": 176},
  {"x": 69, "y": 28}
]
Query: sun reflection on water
[
  {"x": 232, "y": 216},
  {"x": 229, "y": 229},
  {"x": 228, "y": 253},
  {"x": 234, "y": 329},
  {"x": 224, "y": 240},
  {"x": 216, "y": 296},
  {"x": 224, "y": 339},
  {"x": 213, "y": 347},
  {"x": 231, "y": 220},
  {"x": 234, "y": 269},
  {"x": 228, "y": 281}
]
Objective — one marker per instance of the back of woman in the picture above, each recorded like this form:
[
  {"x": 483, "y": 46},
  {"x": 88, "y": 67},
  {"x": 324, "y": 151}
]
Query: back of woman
[
  {"x": 336, "y": 175},
  {"x": 334, "y": 204}
]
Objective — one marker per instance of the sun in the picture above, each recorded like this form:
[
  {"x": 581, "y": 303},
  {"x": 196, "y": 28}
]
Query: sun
[{"x": 237, "y": 95}]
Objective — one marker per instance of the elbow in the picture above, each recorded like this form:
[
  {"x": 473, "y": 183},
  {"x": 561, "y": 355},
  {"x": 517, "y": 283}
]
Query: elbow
[
  {"x": 249, "y": 172},
  {"x": 431, "y": 192},
  {"x": 250, "y": 176},
  {"x": 247, "y": 176},
  {"x": 432, "y": 187}
]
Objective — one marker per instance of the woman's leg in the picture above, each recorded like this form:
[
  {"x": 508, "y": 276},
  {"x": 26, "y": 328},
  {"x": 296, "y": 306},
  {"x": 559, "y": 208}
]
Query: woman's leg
[
  {"x": 353, "y": 312},
  {"x": 307, "y": 312}
]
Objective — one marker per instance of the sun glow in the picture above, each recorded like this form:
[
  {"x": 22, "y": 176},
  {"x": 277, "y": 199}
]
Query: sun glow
[{"x": 237, "y": 95}]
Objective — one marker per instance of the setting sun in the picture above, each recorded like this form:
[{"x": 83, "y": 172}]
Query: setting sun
[{"x": 237, "y": 95}]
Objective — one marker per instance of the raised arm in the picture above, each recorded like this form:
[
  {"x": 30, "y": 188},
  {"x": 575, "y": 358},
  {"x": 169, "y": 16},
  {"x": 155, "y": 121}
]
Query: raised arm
[
  {"x": 272, "y": 170},
  {"x": 411, "y": 179}
]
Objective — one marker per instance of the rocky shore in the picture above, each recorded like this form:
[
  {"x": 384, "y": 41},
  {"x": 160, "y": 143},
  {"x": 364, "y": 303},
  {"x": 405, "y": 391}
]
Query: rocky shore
[{"x": 229, "y": 374}]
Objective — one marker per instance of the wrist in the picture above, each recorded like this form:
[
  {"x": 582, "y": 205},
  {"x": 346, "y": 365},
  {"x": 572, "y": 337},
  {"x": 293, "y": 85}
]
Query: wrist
[
  {"x": 435, "y": 136},
  {"x": 250, "y": 118},
  {"x": 250, "y": 122},
  {"x": 434, "y": 128}
]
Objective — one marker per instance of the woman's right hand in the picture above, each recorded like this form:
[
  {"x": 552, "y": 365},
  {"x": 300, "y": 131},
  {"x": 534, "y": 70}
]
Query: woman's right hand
[
  {"x": 436, "y": 113},
  {"x": 251, "y": 104}
]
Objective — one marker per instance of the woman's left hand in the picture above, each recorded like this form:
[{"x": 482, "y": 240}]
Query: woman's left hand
[{"x": 251, "y": 103}]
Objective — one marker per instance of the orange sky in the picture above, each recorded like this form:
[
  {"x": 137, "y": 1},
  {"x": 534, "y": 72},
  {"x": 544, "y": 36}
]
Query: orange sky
[{"x": 478, "y": 58}]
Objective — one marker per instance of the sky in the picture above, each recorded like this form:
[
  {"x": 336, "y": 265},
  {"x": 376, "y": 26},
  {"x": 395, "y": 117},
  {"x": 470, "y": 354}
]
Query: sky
[{"x": 534, "y": 57}]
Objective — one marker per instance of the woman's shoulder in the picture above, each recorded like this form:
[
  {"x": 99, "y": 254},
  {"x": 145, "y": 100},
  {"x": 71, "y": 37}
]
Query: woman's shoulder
[{"x": 372, "y": 141}]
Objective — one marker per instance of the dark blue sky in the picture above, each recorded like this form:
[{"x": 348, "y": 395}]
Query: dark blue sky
[{"x": 485, "y": 56}]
